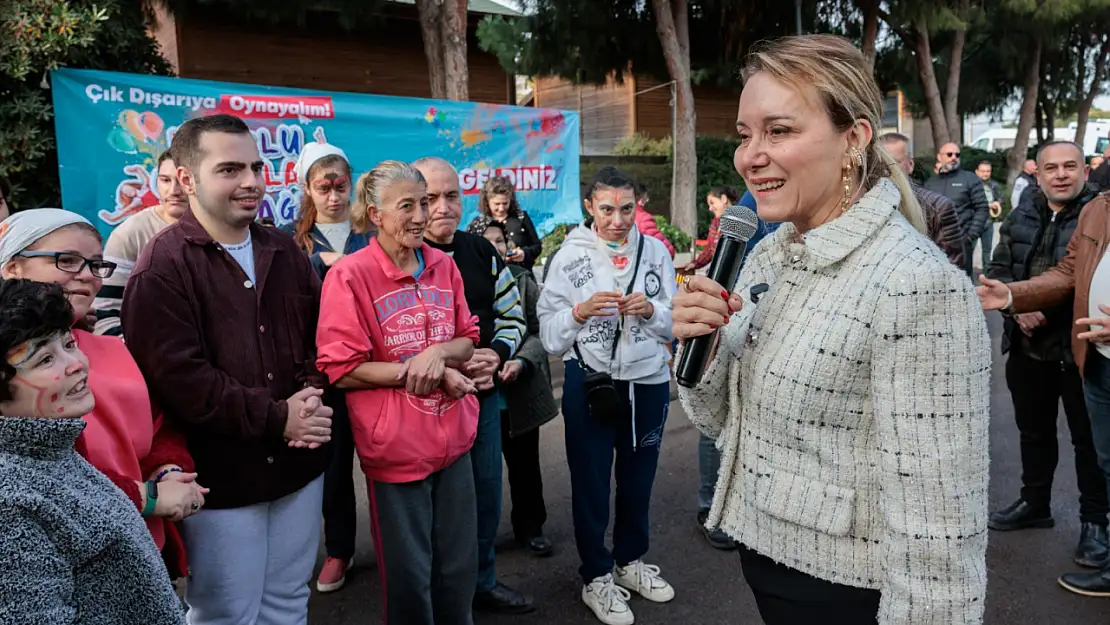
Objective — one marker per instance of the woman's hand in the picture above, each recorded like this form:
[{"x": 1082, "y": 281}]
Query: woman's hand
[
  {"x": 330, "y": 258},
  {"x": 515, "y": 256},
  {"x": 176, "y": 499},
  {"x": 600, "y": 304},
  {"x": 636, "y": 305},
  {"x": 1099, "y": 331},
  {"x": 423, "y": 373},
  {"x": 702, "y": 306},
  {"x": 457, "y": 385}
]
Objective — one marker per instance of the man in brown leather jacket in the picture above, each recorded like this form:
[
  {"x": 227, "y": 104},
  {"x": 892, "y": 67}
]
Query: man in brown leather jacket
[
  {"x": 1085, "y": 273},
  {"x": 943, "y": 224}
]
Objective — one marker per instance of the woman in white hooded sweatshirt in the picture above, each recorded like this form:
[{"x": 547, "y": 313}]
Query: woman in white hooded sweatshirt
[{"x": 606, "y": 308}]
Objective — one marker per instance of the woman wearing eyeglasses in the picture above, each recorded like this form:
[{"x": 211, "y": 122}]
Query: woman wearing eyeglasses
[{"x": 123, "y": 438}]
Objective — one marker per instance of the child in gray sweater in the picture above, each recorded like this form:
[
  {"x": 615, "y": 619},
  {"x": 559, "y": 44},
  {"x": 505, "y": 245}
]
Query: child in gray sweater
[{"x": 73, "y": 547}]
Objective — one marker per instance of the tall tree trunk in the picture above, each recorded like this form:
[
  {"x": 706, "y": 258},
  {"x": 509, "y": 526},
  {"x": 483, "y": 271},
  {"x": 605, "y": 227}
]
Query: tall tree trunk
[
  {"x": 1049, "y": 120},
  {"x": 1038, "y": 121},
  {"x": 672, "y": 24},
  {"x": 933, "y": 104},
  {"x": 1088, "y": 100},
  {"x": 870, "y": 10},
  {"x": 952, "y": 85},
  {"x": 443, "y": 24},
  {"x": 433, "y": 46},
  {"x": 454, "y": 50},
  {"x": 1028, "y": 104}
]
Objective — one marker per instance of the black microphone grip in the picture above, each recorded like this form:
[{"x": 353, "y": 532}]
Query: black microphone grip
[{"x": 724, "y": 270}]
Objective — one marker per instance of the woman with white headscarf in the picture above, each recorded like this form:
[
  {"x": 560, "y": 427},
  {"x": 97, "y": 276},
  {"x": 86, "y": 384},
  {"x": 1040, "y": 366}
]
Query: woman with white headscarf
[{"x": 124, "y": 437}]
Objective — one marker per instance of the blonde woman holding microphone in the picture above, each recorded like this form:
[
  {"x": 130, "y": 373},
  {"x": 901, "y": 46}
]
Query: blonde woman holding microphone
[{"x": 850, "y": 404}]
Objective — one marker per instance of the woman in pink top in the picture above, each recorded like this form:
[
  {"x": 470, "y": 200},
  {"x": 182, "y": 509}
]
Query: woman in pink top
[
  {"x": 645, "y": 221},
  {"x": 123, "y": 437},
  {"x": 394, "y": 326}
]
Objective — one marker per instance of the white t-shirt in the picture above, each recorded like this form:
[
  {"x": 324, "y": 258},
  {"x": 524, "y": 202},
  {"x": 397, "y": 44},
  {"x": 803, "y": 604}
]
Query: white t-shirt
[
  {"x": 336, "y": 234},
  {"x": 1100, "y": 294},
  {"x": 243, "y": 253}
]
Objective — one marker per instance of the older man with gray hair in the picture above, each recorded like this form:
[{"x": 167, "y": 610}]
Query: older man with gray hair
[{"x": 944, "y": 226}]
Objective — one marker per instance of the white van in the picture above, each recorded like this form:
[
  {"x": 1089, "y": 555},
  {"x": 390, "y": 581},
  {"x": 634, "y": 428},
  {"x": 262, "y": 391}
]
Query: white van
[{"x": 1094, "y": 142}]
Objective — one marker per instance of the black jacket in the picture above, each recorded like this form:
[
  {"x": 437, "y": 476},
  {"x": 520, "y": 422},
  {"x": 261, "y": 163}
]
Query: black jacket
[
  {"x": 1013, "y": 258},
  {"x": 966, "y": 192}
]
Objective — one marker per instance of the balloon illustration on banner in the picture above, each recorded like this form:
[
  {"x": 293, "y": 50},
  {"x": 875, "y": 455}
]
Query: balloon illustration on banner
[{"x": 111, "y": 179}]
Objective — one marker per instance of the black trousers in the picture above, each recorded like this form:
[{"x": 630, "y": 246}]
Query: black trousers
[
  {"x": 786, "y": 596},
  {"x": 339, "y": 484},
  {"x": 1037, "y": 387},
  {"x": 522, "y": 461}
]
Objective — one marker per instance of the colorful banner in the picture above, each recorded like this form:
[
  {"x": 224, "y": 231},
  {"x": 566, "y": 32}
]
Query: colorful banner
[{"x": 111, "y": 128}]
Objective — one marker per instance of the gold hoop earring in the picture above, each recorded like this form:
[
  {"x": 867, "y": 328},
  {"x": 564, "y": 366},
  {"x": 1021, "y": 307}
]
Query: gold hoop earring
[
  {"x": 857, "y": 157},
  {"x": 847, "y": 180}
]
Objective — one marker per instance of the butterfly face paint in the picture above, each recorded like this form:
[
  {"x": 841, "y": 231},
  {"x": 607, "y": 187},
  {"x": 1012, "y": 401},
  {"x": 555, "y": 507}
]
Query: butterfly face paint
[
  {"x": 51, "y": 379},
  {"x": 330, "y": 190}
]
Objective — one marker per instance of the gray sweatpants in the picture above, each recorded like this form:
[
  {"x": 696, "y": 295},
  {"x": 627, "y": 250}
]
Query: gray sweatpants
[
  {"x": 426, "y": 540},
  {"x": 251, "y": 565}
]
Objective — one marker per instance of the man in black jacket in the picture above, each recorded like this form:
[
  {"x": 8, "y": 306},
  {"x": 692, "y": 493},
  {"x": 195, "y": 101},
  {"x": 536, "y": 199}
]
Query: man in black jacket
[
  {"x": 1041, "y": 370},
  {"x": 966, "y": 192}
]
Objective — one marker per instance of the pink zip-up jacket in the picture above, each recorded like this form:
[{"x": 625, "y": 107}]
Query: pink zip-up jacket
[
  {"x": 371, "y": 311},
  {"x": 645, "y": 223}
]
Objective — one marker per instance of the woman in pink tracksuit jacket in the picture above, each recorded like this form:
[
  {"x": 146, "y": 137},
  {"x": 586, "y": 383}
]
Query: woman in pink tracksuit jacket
[{"x": 393, "y": 326}]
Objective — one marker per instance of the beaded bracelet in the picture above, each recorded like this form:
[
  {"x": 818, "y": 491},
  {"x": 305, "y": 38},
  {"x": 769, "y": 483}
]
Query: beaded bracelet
[{"x": 164, "y": 472}]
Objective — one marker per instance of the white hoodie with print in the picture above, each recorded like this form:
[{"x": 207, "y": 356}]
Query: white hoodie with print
[{"x": 580, "y": 269}]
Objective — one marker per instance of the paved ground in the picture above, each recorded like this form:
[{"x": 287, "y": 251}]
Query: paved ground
[{"x": 710, "y": 588}]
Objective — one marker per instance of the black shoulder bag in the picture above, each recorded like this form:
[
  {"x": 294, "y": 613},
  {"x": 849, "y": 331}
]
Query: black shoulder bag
[{"x": 601, "y": 393}]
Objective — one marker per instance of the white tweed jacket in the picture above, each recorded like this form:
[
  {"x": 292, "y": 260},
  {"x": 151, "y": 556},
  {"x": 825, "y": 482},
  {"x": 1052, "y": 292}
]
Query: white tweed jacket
[{"x": 851, "y": 407}]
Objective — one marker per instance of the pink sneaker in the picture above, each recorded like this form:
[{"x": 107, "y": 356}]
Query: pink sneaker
[{"x": 333, "y": 574}]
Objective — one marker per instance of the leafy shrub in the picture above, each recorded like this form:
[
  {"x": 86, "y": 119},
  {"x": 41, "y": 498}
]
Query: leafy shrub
[
  {"x": 678, "y": 238},
  {"x": 642, "y": 145},
  {"x": 553, "y": 240}
]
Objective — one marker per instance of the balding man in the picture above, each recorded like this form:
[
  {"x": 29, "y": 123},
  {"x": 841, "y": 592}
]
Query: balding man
[
  {"x": 492, "y": 296},
  {"x": 966, "y": 192},
  {"x": 1041, "y": 369},
  {"x": 940, "y": 216}
]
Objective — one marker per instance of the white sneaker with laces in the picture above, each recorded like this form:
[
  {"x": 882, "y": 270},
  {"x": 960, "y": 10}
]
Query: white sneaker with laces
[
  {"x": 608, "y": 601},
  {"x": 644, "y": 580}
]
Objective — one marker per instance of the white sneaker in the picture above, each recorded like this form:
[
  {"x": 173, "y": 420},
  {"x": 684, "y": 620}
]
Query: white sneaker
[
  {"x": 608, "y": 601},
  {"x": 644, "y": 580}
]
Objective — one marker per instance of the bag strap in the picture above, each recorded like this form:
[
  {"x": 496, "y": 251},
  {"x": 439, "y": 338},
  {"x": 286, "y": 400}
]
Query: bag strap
[{"x": 627, "y": 291}]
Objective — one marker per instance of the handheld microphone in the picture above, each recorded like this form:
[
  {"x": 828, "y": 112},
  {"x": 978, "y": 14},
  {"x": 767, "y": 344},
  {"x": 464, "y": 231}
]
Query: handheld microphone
[{"x": 738, "y": 225}]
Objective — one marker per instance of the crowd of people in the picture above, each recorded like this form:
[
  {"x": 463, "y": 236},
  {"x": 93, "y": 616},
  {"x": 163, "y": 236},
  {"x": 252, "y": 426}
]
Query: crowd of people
[{"x": 844, "y": 411}]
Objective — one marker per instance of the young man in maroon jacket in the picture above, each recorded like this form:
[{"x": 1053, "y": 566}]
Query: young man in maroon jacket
[{"x": 220, "y": 314}]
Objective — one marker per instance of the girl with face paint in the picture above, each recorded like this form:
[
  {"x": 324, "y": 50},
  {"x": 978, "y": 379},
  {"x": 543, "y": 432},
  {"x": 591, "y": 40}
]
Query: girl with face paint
[
  {"x": 124, "y": 435},
  {"x": 606, "y": 309},
  {"x": 74, "y": 547},
  {"x": 329, "y": 229}
]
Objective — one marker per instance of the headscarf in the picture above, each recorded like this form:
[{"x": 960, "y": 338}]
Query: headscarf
[
  {"x": 313, "y": 152},
  {"x": 480, "y": 224},
  {"x": 22, "y": 229}
]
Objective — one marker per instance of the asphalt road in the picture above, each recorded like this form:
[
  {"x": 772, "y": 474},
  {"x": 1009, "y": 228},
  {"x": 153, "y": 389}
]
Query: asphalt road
[{"x": 1023, "y": 566}]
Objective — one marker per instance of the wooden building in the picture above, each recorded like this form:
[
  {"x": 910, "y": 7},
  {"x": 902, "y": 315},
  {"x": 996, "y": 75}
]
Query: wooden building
[
  {"x": 385, "y": 57},
  {"x": 640, "y": 104}
]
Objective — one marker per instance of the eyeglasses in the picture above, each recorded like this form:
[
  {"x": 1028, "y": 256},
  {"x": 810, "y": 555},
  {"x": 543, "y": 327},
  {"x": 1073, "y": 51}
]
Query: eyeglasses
[
  {"x": 951, "y": 154},
  {"x": 75, "y": 263}
]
